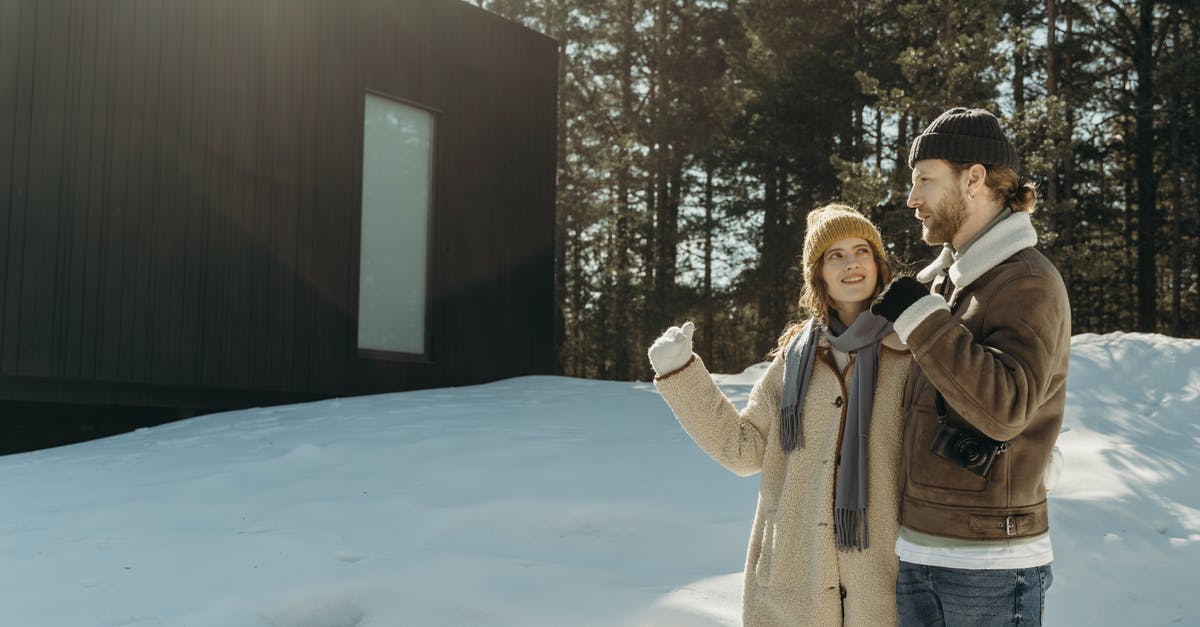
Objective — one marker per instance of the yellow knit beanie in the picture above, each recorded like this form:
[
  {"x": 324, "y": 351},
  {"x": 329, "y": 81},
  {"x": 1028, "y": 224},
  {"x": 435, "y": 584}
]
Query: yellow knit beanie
[{"x": 833, "y": 223}]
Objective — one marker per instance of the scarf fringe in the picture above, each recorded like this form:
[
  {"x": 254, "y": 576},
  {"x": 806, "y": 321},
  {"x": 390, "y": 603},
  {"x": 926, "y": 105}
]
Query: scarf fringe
[
  {"x": 791, "y": 428},
  {"x": 851, "y": 525}
]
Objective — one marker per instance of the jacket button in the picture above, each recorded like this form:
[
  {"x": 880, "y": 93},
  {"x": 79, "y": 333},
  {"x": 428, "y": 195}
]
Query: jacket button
[
  {"x": 838, "y": 402},
  {"x": 843, "y": 590}
]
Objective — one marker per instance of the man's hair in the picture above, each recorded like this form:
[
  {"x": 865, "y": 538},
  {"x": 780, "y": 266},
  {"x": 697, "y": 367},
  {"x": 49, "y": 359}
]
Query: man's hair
[{"x": 1005, "y": 186}]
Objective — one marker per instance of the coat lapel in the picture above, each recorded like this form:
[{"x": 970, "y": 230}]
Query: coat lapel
[{"x": 1010, "y": 236}]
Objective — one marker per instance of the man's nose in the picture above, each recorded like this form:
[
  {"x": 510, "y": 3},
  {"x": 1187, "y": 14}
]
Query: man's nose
[{"x": 913, "y": 200}]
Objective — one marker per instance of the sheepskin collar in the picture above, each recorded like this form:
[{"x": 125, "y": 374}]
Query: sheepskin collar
[{"x": 1012, "y": 235}]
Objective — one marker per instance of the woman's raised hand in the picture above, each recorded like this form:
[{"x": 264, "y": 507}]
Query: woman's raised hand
[{"x": 672, "y": 350}]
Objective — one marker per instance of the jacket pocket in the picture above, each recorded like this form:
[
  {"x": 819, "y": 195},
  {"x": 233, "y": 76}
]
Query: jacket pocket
[
  {"x": 929, "y": 470},
  {"x": 765, "y": 558}
]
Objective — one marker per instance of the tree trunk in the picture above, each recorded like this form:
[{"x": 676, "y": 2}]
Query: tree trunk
[
  {"x": 1147, "y": 183},
  {"x": 1101, "y": 278},
  {"x": 578, "y": 348},
  {"x": 1018, "y": 82},
  {"x": 1069, "y": 214},
  {"x": 1052, "y": 90},
  {"x": 623, "y": 279},
  {"x": 605, "y": 351},
  {"x": 1195, "y": 45},
  {"x": 858, "y": 150},
  {"x": 1176, "y": 247},
  {"x": 773, "y": 265},
  {"x": 560, "y": 212},
  {"x": 1129, "y": 189},
  {"x": 709, "y": 225},
  {"x": 879, "y": 140}
]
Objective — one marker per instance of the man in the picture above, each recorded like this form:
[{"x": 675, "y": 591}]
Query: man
[{"x": 991, "y": 337}]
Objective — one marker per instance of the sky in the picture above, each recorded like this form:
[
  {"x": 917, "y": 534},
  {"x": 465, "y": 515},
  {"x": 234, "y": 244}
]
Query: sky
[{"x": 535, "y": 501}]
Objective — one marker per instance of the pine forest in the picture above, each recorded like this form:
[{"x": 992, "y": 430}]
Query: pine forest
[{"x": 695, "y": 135}]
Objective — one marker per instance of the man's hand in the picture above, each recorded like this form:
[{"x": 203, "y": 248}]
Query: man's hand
[
  {"x": 672, "y": 350},
  {"x": 899, "y": 295}
]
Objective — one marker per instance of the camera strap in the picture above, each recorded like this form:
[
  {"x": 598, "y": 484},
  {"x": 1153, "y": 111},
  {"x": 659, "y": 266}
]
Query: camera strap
[{"x": 939, "y": 405}]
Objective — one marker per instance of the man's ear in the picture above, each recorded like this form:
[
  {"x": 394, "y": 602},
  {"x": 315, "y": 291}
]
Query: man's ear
[{"x": 976, "y": 176}]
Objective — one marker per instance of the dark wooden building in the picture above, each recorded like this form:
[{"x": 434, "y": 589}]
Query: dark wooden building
[{"x": 210, "y": 204}]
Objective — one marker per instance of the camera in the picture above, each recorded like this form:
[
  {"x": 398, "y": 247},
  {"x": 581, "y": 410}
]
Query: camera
[
  {"x": 973, "y": 451},
  {"x": 969, "y": 450}
]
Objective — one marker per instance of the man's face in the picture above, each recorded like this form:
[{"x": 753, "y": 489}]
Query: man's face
[{"x": 938, "y": 199}]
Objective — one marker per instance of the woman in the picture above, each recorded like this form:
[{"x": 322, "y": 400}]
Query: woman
[{"x": 822, "y": 546}]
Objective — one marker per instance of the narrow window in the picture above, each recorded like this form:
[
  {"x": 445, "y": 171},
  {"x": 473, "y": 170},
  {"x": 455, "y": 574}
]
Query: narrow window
[{"x": 396, "y": 192}]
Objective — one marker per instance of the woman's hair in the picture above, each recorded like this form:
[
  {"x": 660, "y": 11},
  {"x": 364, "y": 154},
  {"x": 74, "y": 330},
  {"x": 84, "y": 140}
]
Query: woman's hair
[
  {"x": 814, "y": 296},
  {"x": 1005, "y": 186}
]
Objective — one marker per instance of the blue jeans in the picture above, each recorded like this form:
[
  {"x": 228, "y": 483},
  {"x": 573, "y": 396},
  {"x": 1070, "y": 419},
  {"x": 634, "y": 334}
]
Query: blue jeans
[{"x": 928, "y": 596}]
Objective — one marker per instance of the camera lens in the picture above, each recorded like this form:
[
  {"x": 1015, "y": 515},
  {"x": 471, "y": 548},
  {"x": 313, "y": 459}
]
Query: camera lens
[{"x": 970, "y": 450}]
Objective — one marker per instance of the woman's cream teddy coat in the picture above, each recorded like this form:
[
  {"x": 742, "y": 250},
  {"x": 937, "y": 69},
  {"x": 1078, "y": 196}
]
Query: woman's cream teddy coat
[{"x": 794, "y": 573}]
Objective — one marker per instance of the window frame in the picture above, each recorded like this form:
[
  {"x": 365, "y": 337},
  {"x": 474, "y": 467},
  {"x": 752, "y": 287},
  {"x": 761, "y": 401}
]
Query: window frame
[{"x": 435, "y": 114}]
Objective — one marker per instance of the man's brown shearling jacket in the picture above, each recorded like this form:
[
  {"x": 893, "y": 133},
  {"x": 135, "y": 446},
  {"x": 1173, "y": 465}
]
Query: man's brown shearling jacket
[{"x": 997, "y": 347}]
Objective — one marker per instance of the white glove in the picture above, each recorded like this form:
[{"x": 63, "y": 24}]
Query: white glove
[
  {"x": 672, "y": 350},
  {"x": 1054, "y": 467}
]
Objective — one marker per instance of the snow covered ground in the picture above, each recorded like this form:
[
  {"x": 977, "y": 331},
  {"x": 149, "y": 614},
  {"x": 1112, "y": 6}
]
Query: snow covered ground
[{"x": 534, "y": 501}]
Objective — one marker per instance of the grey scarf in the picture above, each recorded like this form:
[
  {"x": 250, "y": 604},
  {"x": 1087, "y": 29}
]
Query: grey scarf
[{"x": 863, "y": 337}]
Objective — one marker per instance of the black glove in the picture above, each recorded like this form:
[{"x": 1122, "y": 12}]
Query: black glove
[{"x": 899, "y": 295}]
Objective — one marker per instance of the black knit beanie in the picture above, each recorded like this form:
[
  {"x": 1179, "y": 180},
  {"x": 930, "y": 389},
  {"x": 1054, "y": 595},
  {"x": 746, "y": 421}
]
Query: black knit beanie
[{"x": 964, "y": 136}]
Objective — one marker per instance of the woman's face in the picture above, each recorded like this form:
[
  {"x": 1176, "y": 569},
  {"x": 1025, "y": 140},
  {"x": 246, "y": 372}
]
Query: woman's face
[{"x": 850, "y": 273}]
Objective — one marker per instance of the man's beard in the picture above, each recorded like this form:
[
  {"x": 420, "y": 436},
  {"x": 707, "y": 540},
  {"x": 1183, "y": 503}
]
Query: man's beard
[{"x": 945, "y": 219}]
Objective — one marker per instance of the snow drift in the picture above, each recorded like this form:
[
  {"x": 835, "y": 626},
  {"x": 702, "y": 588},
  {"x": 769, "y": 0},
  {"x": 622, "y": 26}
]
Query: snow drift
[{"x": 534, "y": 501}]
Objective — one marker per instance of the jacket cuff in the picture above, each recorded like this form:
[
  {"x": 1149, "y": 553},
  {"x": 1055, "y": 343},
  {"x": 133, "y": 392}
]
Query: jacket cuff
[
  {"x": 676, "y": 371},
  {"x": 916, "y": 313}
]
